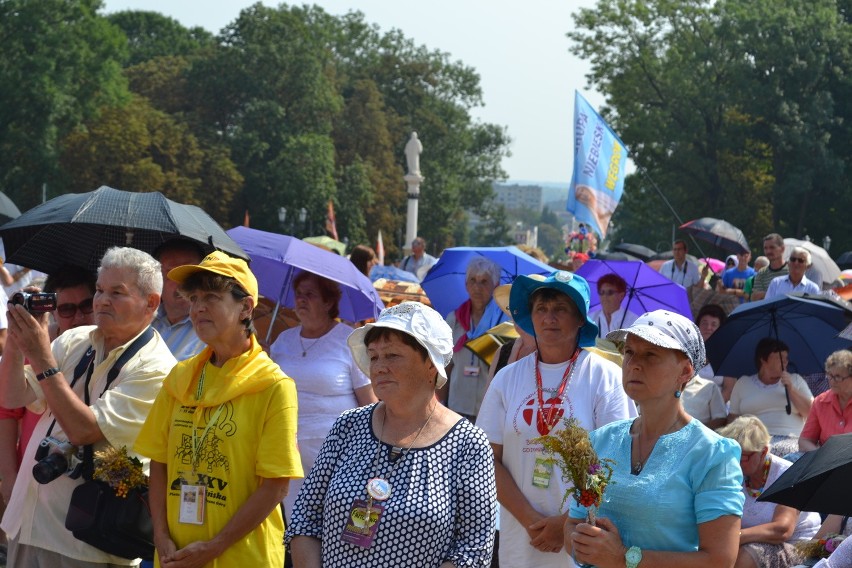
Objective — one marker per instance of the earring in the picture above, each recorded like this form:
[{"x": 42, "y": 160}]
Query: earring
[{"x": 677, "y": 393}]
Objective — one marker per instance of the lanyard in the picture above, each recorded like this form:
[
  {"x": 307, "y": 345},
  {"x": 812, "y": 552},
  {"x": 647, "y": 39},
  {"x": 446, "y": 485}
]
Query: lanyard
[
  {"x": 546, "y": 425},
  {"x": 196, "y": 443},
  {"x": 683, "y": 275}
]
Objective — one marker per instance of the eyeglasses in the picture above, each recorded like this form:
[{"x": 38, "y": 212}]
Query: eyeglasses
[
  {"x": 797, "y": 259},
  {"x": 836, "y": 378},
  {"x": 70, "y": 310},
  {"x": 608, "y": 292}
]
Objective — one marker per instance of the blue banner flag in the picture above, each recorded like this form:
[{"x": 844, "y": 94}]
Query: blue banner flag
[{"x": 599, "y": 168}]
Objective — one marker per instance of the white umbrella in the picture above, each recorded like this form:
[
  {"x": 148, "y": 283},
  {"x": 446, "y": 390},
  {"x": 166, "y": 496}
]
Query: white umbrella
[{"x": 820, "y": 261}]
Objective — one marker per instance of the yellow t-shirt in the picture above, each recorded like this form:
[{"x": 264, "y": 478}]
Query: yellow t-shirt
[{"x": 254, "y": 437}]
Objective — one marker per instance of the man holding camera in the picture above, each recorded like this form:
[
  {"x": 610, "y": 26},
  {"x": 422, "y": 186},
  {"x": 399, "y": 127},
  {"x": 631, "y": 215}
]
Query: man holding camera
[{"x": 68, "y": 383}]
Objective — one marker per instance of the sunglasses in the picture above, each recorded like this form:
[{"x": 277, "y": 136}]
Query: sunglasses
[
  {"x": 70, "y": 310},
  {"x": 797, "y": 259}
]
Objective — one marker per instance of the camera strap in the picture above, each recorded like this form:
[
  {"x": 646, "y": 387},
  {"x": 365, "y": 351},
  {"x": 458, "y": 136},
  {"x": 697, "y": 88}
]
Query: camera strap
[{"x": 86, "y": 366}]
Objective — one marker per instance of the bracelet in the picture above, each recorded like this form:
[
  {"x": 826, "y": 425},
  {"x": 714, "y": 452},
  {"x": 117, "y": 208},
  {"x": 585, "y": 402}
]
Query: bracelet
[{"x": 47, "y": 373}]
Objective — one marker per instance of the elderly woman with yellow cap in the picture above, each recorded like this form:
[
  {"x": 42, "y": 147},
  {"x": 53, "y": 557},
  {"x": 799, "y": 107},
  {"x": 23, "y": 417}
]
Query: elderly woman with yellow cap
[
  {"x": 675, "y": 497},
  {"x": 530, "y": 398},
  {"x": 406, "y": 481},
  {"x": 222, "y": 433}
]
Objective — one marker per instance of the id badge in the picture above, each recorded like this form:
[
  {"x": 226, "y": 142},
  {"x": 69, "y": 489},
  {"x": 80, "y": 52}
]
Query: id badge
[
  {"x": 361, "y": 527},
  {"x": 471, "y": 371},
  {"x": 542, "y": 472},
  {"x": 193, "y": 498}
]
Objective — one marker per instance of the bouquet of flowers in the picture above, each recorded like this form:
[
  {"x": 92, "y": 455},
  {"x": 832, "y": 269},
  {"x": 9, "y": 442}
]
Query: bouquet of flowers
[
  {"x": 120, "y": 471},
  {"x": 580, "y": 464},
  {"x": 820, "y": 548}
]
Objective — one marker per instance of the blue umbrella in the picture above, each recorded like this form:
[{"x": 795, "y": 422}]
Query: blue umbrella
[
  {"x": 809, "y": 327},
  {"x": 445, "y": 281},
  {"x": 391, "y": 272},
  {"x": 647, "y": 289},
  {"x": 277, "y": 259}
]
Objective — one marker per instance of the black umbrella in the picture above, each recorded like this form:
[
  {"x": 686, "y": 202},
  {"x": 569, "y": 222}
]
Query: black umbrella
[
  {"x": 809, "y": 328},
  {"x": 77, "y": 228},
  {"x": 844, "y": 261},
  {"x": 818, "y": 481},
  {"x": 615, "y": 255},
  {"x": 641, "y": 252},
  {"x": 807, "y": 325},
  {"x": 718, "y": 232},
  {"x": 8, "y": 210}
]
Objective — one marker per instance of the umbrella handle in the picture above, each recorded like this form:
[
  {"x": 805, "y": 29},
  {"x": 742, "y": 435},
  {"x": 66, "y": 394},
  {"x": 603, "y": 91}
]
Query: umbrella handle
[{"x": 789, "y": 407}]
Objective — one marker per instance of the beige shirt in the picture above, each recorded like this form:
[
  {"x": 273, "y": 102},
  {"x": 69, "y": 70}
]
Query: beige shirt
[{"x": 35, "y": 514}]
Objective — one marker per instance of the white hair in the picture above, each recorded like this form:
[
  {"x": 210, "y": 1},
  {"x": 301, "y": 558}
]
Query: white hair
[
  {"x": 149, "y": 276},
  {"x": 804, "y": 252},
  {"x": 481, "y": 265}
]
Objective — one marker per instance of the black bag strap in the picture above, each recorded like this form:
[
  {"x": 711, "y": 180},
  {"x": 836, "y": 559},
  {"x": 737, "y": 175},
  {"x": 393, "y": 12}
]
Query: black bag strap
[{"x": 130, "y": 352}]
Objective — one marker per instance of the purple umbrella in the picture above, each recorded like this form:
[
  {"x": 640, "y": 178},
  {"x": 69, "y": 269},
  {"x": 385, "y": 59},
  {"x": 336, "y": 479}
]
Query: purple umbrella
[
  {"x": 647, "y": 289},
  {"x": 277, "y": 259}
]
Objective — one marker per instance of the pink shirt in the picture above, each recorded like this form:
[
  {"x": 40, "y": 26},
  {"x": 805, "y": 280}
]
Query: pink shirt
[{"x": 826, "y": 418}]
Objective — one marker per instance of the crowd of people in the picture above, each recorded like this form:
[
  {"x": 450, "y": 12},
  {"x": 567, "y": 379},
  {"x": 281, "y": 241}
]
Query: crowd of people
[{"x": 393, "y": 442}]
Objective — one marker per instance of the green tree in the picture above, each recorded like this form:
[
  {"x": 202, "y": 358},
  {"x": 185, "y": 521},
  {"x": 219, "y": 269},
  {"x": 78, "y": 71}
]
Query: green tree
[
  {"x": 265, "y": 90},
  {"x": 137, "y": 148},
  {"x": 151, "y": 35},
  {"x": 423, "y": 91},
  {"x": 60, "y": 64},
  {"x": 726, "y": 105}
]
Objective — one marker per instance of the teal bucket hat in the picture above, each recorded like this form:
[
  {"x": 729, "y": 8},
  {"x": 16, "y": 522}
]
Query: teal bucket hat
[{"x": 574, "y": 286}]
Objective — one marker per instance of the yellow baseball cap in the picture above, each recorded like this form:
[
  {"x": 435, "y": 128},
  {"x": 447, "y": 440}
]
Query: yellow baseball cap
[{"x": 220, "y": 263}]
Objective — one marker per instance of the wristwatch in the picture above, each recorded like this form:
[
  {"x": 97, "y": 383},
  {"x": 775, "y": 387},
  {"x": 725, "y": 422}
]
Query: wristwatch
[
  {"x": 47, "y": 373},
  {"x": 633, "y": 556}
]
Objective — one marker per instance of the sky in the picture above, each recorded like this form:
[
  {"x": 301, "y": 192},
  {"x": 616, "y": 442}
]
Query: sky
[{"x": 527, "y": 74}]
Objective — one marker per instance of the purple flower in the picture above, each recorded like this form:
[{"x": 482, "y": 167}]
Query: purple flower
[
  {"x": 594, "y": 468},
  {"x": 830, "y": 545}
]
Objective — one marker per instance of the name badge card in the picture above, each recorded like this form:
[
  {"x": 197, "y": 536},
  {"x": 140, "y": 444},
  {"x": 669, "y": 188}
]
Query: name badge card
[
  {"x": 542, "y": 470},
  {"x": 471, "y": 371},
  {"x": 192, "y": 501},
  {"x": 362, "y": 523}
]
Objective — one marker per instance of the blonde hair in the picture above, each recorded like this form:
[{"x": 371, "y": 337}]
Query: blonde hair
[{"x": 748, "y": 431}]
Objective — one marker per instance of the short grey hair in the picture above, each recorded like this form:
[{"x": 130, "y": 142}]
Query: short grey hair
[
  {"x": 838, "y": 359},
  {"x": 762, "y": 261},
  {"x": 804, "y": 252},
  {"x": 748, "y": 431},
  {"x": 480, "y": 266},
  {"x": 149, "y": 276}
]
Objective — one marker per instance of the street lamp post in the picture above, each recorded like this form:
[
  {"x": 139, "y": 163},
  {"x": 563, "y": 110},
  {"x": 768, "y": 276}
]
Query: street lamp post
[{"x": 826, "y": 243}]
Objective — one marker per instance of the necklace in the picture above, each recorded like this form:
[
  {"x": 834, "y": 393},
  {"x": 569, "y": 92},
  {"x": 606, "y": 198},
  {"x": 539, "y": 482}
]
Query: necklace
[
  {"x": 546, "y": 424},
  {"x": 639, "y": 464},
  {"x": 379, "y": 488},
  {"x": 765, "y": 475},
  {"x": 317, "y": 340}
]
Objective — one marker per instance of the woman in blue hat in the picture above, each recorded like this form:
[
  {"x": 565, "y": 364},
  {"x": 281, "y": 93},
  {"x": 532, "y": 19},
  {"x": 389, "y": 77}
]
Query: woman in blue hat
[{"x": 530, "y": 398}]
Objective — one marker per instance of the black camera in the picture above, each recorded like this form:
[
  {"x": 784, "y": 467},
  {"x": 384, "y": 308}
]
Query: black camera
[
  {"x": 35, "y": 302},
  {"x": 56, "y": 457}
]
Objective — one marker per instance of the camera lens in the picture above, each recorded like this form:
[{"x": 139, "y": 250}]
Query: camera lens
[{"x": 50, "y": 468}]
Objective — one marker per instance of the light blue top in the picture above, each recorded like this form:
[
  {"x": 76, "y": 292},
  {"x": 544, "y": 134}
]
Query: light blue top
[
  {"x": 180, "y": 336},
  {"x": 783, "y": 285},
  {"x": 692, "y": 476}
]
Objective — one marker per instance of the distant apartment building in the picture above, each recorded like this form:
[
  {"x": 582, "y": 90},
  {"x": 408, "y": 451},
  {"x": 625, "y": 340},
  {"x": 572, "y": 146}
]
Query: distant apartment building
[{"x": 519, "y": 196}]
